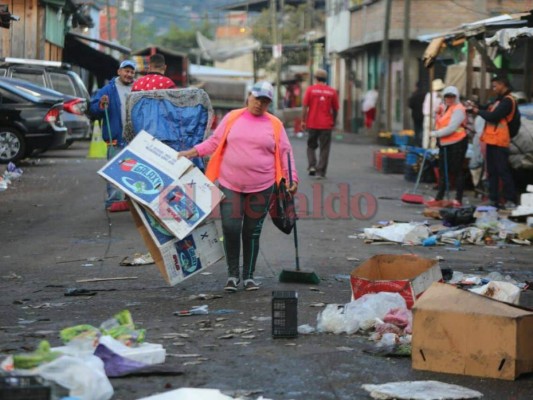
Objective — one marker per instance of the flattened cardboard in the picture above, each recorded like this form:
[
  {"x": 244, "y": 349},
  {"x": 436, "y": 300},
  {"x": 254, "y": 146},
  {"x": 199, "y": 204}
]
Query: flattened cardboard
[
  {"x": 459, "y": 332},
  {"x": 178, "y": 259},
  {"x": 174, "y": 190},
  {"x": 407, "y": 275}
]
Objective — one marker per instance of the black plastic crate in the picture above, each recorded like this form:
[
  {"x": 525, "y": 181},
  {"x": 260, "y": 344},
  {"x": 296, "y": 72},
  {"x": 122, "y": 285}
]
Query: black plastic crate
[
  {"x": 284, "y": 314},
  {"x": 24, "y": 388}
]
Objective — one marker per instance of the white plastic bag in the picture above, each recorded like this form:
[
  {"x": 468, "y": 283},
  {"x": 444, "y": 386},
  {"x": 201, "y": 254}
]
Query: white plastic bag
[
  {"x": 84, "y": 376},
  {"x": 367, "y": 308},
  {"x": 331, "y": 319},
  {"x": 502, "y": 291}
]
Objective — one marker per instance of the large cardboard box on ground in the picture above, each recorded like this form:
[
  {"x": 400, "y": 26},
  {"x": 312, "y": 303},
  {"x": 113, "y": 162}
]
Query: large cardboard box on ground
[
  {"x": 178, "y": 259},
  {"x": 459, "y": 332},
  {"x": 174, "y": 190},
  {"x": 407, "y": 275}
]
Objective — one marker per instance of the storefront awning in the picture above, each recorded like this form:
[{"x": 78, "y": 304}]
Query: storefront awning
[{"x": 76, "y": 52}]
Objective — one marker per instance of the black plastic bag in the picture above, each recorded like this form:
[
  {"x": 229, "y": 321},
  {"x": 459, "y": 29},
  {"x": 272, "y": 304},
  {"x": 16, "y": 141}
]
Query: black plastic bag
[
  {"x": 458, "y": 216},
  {"x": 282, "y": 210}
]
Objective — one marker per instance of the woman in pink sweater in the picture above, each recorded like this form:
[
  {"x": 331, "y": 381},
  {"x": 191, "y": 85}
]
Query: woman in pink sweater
[{"x": 244, "y": 147}]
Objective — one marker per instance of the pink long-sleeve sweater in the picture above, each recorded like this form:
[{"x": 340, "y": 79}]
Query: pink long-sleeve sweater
[{"x": 248, "y": 160}]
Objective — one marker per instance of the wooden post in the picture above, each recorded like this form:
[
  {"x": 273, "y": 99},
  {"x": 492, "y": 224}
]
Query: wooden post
[
  {"x": 406, "y": 61},
  {"x": 384, "y": 71},
  {"x": 469, "y": 68}
]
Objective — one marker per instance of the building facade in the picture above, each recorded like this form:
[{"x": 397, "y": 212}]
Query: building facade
[{"x": 355, "y": 31}]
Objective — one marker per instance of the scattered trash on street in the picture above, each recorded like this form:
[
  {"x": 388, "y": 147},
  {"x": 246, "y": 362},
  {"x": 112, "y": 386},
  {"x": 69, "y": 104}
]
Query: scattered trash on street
[
  {"x": 421, "y": 390},
  {"x": 137, "y": 259}
]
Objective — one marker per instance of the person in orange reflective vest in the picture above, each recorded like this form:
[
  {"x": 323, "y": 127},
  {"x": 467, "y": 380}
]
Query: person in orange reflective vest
[
  {"x": 453, "y": 143},
  {"x": 248, "y": 151},
  {"x": 500, "y": 116}
]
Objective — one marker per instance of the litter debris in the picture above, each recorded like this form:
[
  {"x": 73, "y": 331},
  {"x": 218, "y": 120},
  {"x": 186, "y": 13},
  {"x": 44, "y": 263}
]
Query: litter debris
[
  {"x": 407, "y": 233},
  {"x": 306, "y": 329},
  {"x": 79, "y": 292},
  {"x": 408, "y": 275},
  {"x": 137, "y": 259},
  {"x": 420, "y": 390},
  {"x": 203, "y": 296},
  {"x": 190, "y": 393},
  {"x": 502, "y": 291},
  {"x": 120, "y": 278},
  {"x": 196, "y": 310},
  {"x": 11, "y": 276}
]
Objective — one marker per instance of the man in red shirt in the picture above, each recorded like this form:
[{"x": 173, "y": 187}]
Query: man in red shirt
[
  {"x": 320, "y": 108},
  {"x": 155, "y": 79}
]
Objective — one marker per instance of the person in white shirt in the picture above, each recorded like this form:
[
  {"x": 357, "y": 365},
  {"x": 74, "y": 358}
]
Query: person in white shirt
[{"x": 437, "y": 85}]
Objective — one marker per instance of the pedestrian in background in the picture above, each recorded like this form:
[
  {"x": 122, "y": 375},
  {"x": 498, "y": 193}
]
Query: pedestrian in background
[
  {"x": 111, "y": 100},
  {"x": 432, "y": 109},
  {"x": 155, "y": 79},
  {"x": 250, "y": 150},
  {"x": 320, "y": 108},
  {"x": 452, "y": 142},
  {"x": 502, "y": 122},
  {"x": 416, "y": 104},
  {"x": 370, "y": 100}
]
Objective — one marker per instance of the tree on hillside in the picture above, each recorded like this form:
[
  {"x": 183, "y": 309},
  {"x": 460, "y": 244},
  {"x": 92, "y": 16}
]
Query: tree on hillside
[{"x": 178, "y": 39}]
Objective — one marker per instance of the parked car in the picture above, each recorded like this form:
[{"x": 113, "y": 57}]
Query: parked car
[
  {"x": 57, "y": 76},
  {"x": 30, "y": 120}
]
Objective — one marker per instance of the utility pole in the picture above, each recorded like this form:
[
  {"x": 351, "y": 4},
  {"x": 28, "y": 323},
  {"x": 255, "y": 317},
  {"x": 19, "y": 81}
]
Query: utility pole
[
  {"x": 108, "y": 23},
  {"x": 275, "y": 48},
  {"x": 131, "y": 12},
  {"x": 384, "y": 72},
  {"x": 406, "y": 62}
]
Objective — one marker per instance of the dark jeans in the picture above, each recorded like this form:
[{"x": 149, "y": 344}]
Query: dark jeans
[
  {"x": 322, "y": 138},
  {"x": 452, "y": 157},
  {"x": 113, "y": 193},
  {"x": 243, "y": 215},
  {"x": 418, "y": 126},
  {"x": 498, "y": 168}
]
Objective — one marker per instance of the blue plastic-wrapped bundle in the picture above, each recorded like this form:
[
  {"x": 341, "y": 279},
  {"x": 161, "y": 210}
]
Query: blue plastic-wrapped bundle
[{"x": 180, "y": 118}]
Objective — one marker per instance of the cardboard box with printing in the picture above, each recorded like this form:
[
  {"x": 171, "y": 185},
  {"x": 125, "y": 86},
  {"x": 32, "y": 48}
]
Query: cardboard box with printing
[
  {"x": 459, "y": 332},
  {"x": 174, "y": 190},
  {"x": 178, "y": 259},
  {"x": 407, "y": 275}
]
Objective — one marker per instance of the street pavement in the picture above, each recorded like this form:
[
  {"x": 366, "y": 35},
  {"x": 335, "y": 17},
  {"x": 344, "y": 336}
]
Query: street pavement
[{"x": 54, "y": 231}]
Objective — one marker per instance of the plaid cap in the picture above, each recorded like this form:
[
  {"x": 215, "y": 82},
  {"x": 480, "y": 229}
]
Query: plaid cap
[
  {"x": 127, "y": 63},
  {"x": 262, "y": 89}
]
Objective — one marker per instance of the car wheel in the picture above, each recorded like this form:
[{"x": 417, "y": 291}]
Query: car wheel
[{"x": 12, "y": 145}]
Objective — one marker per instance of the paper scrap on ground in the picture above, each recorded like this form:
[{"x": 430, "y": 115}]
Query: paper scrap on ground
[
  {"x": 421, "y": 390},
  {"x": 137, "y": 259},
  {"x": 411, "y": 233}
]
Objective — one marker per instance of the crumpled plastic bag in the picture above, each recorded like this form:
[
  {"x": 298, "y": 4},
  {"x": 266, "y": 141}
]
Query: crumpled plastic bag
[
  {"x": 365, "y": 310},
  {"x": 358, "y": 314},
  {"x": 331, "y": 319},
  {"x": 400, "y": 317},
  {"x": 84, "y": 376},
  {"x": 502, "y": 291}
]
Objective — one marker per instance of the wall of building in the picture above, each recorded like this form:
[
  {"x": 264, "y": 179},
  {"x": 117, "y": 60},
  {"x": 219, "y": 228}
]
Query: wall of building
[
  {"x": 25, "y": 38},
  {"x": 427, "y": 16}
]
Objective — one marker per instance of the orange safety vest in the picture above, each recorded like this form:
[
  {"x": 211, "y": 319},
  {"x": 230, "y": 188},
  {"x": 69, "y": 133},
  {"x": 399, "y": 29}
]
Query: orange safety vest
[
  {"x": 213, "y": 167},
  {"x": 497, "y": 134},
  {"x": 444, "y": 120}
]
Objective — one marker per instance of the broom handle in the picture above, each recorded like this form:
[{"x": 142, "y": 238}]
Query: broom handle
[
  {"x": 294, "y": 228},
  {"x": 108, "y": 130},
  {"x": 446, "y": 182},
  {"x": 420, "y": 172}
]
